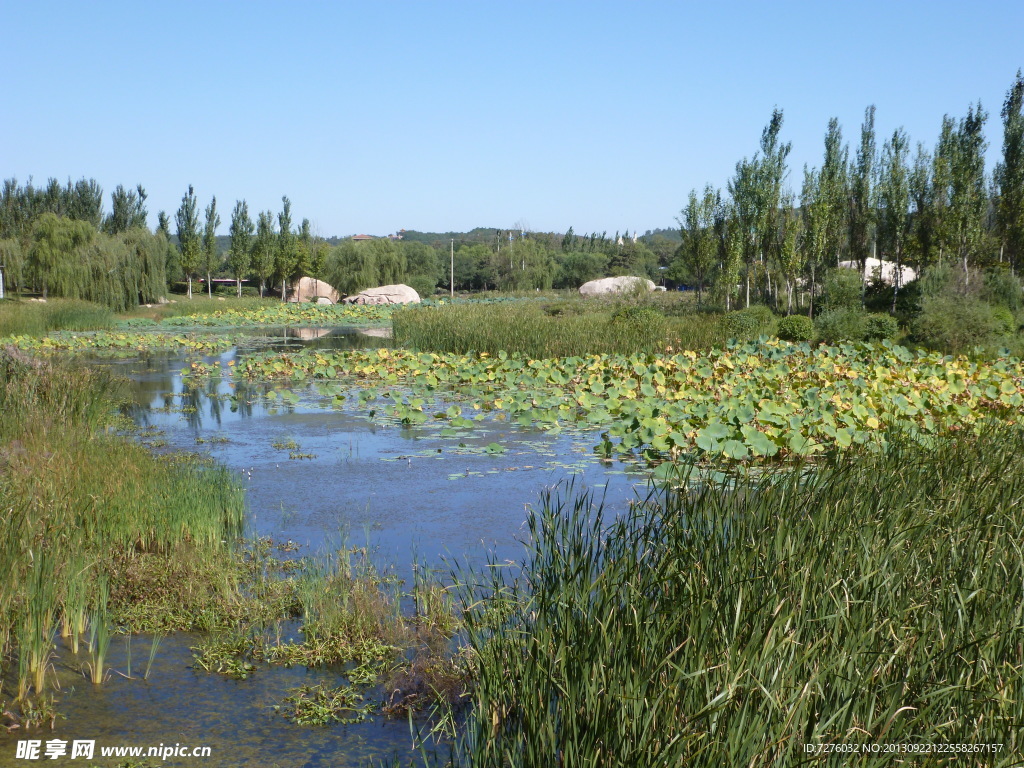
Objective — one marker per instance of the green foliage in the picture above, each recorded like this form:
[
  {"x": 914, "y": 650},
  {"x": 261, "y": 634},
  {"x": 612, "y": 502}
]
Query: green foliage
[
  {"x": 189, "y": 242},
  {"x": 577, "y": 268},
  {"x": 240, "y": 253},
  {"x": 796, "y": 328},
  {"x": 845, "y": 324},
  {"x": 880, "y": 326},
  {"x": 1002, "y": 289},
  {"x": 842, "y": 289}
]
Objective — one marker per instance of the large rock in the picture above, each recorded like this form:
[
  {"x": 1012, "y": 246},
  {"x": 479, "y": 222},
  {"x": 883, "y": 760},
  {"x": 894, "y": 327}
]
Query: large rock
[
  {"x": 615, "y": 285},
  {"x": 386, "y": 294},
  {"x": 308, "y": 289},
  {"x": 884, "y": 270}
]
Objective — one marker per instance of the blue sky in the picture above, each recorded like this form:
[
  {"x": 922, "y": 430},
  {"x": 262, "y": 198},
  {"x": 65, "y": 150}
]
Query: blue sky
[{"x": 444, "y": 116}]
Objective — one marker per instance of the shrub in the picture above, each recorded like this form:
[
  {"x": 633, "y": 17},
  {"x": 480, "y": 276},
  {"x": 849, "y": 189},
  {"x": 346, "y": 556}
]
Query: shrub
[
  {"x": 424, "y": 285},
  {"x": 749, "y": 323},
  {"x": 843, "y": 288},
  {"x": 849, "y": 324},
  {"x": 955, "y": 324},
  {"x": 1005, "y": 319},
  {"x": 1002, "y": 289},
  {"x": 796, "y": 328},
  {"x": 880, "y": 326}
]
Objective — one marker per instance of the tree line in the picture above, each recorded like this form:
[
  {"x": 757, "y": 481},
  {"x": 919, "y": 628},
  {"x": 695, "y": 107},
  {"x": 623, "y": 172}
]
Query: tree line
[{"x": 936, "y": 207}]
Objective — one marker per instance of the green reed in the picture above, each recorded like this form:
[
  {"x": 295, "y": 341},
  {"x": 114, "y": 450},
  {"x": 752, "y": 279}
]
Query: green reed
[
  {"x": 874, "y": 600},
  {"x": 78, "y": 503},
  {"x": 33, "y": 318}
]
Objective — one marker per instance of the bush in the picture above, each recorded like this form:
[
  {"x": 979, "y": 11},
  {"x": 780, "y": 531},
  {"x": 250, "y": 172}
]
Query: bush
[
  {"x": 880, "y": 326},
  {"x": 956, "y": 324},
  {"x": 749, "y": 323},
  {"x": 796, "y": 328},
  {"x": 1002, "y": 289},
  {"x": 843, "y": 288},
  {"x": 849, "y": 324}
]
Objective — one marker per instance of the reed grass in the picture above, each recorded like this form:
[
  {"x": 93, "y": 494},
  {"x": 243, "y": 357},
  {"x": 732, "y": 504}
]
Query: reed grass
[
  {"x": 874, "y": 600},
  {"x": 32, "y": 318},
  {"x": 564, "y": 328}
]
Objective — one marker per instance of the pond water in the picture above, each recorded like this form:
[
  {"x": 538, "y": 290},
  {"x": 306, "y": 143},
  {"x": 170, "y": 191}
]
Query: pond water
[{"x": 321, "y": 478}]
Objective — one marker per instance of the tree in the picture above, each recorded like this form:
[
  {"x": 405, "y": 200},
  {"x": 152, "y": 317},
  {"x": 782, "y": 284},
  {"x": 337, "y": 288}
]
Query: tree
[
  {"x": 1009, "y": 176},
  {"x": 817, "y": 212},
  {"x": 789, "y": 253},
  {"x": 264, "y": 249},
  {"x": 187, "y": 221},
  {"x": 894, "y": 203},
  {"x": 128, "y": 210},
  {"x": 743, "y": 188},
  {"x": 240, "y": 251},
  {"x": 211, "y": 258}
]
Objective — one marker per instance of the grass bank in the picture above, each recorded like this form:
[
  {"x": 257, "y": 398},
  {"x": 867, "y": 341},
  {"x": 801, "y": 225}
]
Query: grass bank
[{"x": 877, "y": 601}]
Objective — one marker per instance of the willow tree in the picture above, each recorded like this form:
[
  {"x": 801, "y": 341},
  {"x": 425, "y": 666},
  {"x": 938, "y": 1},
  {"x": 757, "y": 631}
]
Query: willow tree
[
  {"x": 187, "y": 220},
  {"x": 210, "y": 256},
  {"x": 54, "y": 259},
  {"x": 240, "y": 251}
]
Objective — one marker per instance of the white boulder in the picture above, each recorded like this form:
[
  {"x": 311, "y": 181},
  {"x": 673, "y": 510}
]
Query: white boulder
[
  {"x": 615, "y": 285},
  {"x": 308, "y": 289},
  {"x": 884, "y": 270},
  {"x": 385, "y": 294}
]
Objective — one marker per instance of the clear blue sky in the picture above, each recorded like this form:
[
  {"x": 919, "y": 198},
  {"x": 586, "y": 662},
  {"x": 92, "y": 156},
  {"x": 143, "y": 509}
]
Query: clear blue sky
[{"x": 444, "y": 116}]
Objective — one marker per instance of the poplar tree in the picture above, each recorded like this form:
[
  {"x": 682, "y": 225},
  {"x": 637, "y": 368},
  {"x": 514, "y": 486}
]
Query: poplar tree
[
  {"x": 771, "y": 172},
  {"x": 942, "y": 183},
  {"x": 920, "y": 183},
  {"x": 743, "y": 189},
  {"x": 894, "y": 204},
  {"x": 210, "y": 260},
  {"x": 240, "y": 252},
  {"x": 700, "y": 248},
  {"x": 833, "y": 193},
  {"x": 264, "y": 249},
  {"x": 128, "y": 210},
  {"x": 814, "y": 236},
  {"x": 862, "y": 194},
  {"x": 187, "y": 221},
  {"x": 1009, "y": 177},
  {"x": 285, "y": 256},
  {"x": 968, "y": 194}
]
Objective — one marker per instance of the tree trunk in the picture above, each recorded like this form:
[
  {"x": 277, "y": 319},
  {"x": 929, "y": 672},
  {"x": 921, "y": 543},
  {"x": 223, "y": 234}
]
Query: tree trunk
[
  {"x": 238, "y": 284},
  {"x": 209, "y": 285},
  {"x": 190, "y": 286},
  {"x": 283, "y": 287}
]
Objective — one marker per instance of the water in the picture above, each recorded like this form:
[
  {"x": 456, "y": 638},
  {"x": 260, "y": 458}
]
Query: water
[{"x": 407, "y": 493}]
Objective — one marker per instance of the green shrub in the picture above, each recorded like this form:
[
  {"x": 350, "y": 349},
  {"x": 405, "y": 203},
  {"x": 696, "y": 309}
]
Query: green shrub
[
  {"x": 1002, "y": 289},
  {"x": 879, "y": 326},
  {"x": 848, "y": 324},
  {"x": 749, "y": 323},
  {"x": 843, "y": 289},
  {"x": 956, "y": 324},
  {"x": 796, "y": 328}
]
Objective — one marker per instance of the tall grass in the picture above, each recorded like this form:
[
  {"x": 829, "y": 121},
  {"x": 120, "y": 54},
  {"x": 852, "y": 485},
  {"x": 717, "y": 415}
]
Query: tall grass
[
  {"x": 78, "y": 503},
  {"x": 878, "y": 600},
  {"x": 33, "y": 318}
]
